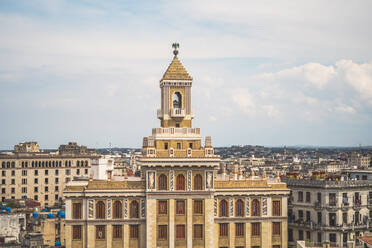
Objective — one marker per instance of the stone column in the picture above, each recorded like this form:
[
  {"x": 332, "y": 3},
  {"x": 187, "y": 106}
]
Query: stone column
[
  {"x": 171, "y": 222},
  {"x": 126, "y": 236},
  {"x": 209, "y": 222},
  {"x": 68, "y": 235},
  {"x": 151, "y": 223},
  {"x": 189, "y": 223},
  {"x": 284, "y": 232},
  {"x": 232, "y": 234},
  {"x": 91, "y": 236},
  {"x": 109, "y": 236},
  {"x": 266, "y": 234},
  {"x": 248, "y": 234}
]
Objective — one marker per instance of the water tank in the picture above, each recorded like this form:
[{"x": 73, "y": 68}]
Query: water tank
[
  {"x": 8, "y": 209},
  {"x": 35, "y": 214},
  {"x": 50, "y": 216}
]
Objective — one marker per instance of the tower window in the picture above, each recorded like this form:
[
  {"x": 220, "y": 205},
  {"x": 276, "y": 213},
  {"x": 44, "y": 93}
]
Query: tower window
[
  {"x": 177, "y": 125},
  {"x": 178, "y": 146},
  {"x": 190, "y": 145},
  {"x": 166, "y": 146},
  {"x": 177, "y": 100}
]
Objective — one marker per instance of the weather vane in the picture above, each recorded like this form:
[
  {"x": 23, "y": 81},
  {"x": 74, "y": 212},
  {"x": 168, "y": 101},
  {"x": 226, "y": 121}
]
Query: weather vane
[{"x": 175, "y": 46}]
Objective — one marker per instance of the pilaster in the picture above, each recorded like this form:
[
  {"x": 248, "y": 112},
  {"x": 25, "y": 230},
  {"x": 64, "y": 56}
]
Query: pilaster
[
  {"x": 91, "y": 236},
  {"x": 151, "y": 223},
  {"x": 209, "y": 222},
  {"x": 171, "y": 222},
  {"x": 109, "y": 236},
  {"x": 126, "y": 236},
  {"x": 189, "y": 223}
]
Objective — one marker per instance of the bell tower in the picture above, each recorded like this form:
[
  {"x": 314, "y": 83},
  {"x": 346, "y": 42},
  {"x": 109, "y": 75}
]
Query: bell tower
[{"x": 175, "y": 88}]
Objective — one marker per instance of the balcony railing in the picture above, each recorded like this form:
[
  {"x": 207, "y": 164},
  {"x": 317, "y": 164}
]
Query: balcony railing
[{"x": 177, "y": 112}]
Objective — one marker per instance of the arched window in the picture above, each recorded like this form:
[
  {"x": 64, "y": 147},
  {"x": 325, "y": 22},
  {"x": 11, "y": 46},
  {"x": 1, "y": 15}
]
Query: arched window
[
  {"x": 224, "y": 210},
  {"x": 13, "y": 164},
  {"x": 100, "y": 210},
  {"x": 198, "y": 182},
  {"x": 177, "y": 100},
  {"x": 256, "y": 209},
  {"x": 134, "y": 209},
  {"x": 78, "y": 163},
  {"x": 239, "y": 208},
  {"x": 118, "y": 210},
  {"x": 3, "y": 165},
  {"x": 163, "y": 182},
  {"x": 86, "y": 162},
  {"x": 180, "y": 183}
]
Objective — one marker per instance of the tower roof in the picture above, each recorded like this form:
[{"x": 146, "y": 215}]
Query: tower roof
[{"x": 176, "y": 71}]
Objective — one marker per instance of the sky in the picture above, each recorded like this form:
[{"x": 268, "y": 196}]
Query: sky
[{"x": 270, "y": 73}]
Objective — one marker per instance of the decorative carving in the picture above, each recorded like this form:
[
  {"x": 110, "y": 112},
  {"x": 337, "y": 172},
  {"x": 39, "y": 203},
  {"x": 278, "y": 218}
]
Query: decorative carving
[
  {"x": 151, "y": 180},
  {"x": 209, "y": 181},
  {"x": 171, "y": 180},
  {"x": 189, "y": 180},
  {"x": 247, "y": 202},
  {"x": 90, "y": 209},
  {"x": 125, "y": 208},
  {"x": 215, "y": 206},
  {"x": 231, "y": 205},
  {"x": 143, "y": 208},
  {"x": 109, "y": 209},
  {"x": 264, "y": 206}
]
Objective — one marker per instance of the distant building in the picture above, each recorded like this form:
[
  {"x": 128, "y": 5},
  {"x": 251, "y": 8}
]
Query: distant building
[
  {"x": 11, "y": 226},
  {"x": 28, "y": 173},
  {"x": 359, "y": 160}
]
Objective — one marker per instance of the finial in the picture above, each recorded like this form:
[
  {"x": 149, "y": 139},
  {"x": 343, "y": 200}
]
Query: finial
[{"x": 175, "y": 46}]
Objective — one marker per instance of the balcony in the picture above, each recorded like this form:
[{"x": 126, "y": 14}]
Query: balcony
[{"x": 177, "y": 112}]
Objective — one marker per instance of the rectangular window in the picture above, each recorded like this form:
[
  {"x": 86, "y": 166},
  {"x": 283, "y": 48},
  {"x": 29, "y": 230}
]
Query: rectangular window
[
  {"x": 290, "y": 235},
  {"x": 78, "y": 172},
  {"x": 46, "y": 197},
  {"x": 36, "y": 197},
  {"x": 180, "y": 231},
  {"x": 46, "y": 180},
  {"x": 24, "y": 190},
  {"x": 117, "y": 231},
  {"x": 57, "y": 181},
  {"x": 300, "y": 196},
  {"x": 56, "y": 197},
  {"x": 198, "y": 206},
  {"x": 46, "y": 172},
  {"x": 308, "y": 235},
  {"x": 46, "y": 189},
  {"x": 162, "y": 232},
  {"x": 239, "y": 229},
  {"x": 276, "y": 228},
  {"x": 76, "y": 232},
  {"x": 180, "y": 207},
  {"x": 56, "y": 172},
  {"x": 3, "y": 173},
  {"x": 12, "y": 190},
  {"x": 76, "y": 210},
  {"x": 36, "y": 172},
  {"x": 86, "y": 171},
  {"x": 166, "y": 146},
  {"x": 13, "y": 181},
  {"x": 24, "y": 172},
  {"x": 13, "y": 173},
  {"x": 308, "y": 197},
  {"x": 100, "y": 232},
  {"x": 3, "y": 181},
  {"x": 36, "y": 189},
  {"x": 179, "y": 146},
  {"x": 332, "y": 237},
  {"x": 224, "y": 229},
  {"x": 163, "y": 207},
  {"x": 198, "y": 231},
  {"x": 36, "y": 181},
  {"x": 332, "y": 199},
  {"x": 190, "y": 145},
  {"x": 133, "y": 231},
  {"x": 24, "y": 180},
  {"x": 256, "y": 229},
  {"x": 3, "y": 190},
  {"x": 300, "y": 234},
  {"x": 276, "y": 208}
]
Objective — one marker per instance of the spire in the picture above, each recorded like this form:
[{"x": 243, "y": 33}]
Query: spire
[{"x": 175, "y": 70}]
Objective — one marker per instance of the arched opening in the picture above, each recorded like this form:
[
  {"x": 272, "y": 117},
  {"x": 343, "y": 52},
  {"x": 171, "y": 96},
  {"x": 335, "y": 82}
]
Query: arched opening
[
  {"x": 118, "y": 209},
  {"x": 177, "y": 100},
  {"x": 256, "y": 210},
  {"x": 134, "y": 209},
  {"x": 180, "y": 184},
  {"x": 198, "y": 182},
  {"x": 224, "y": 210},
  {"x": 239, "y": 208},
  {"x": 163, "y": 182},
  {"x": 100, "y": 210}
]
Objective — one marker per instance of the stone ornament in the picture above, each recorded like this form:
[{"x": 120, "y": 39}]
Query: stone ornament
[
  {"x": 189, "y": 180},
  {"x": 151, "y": 180},
  {"x": 231, "y": 206},
  {"x": 109, "y": 209},
  {"x": 247, "y": 206},
  {"x": 171, "y": 180},
  {"x": 125, "y": 208},
  {"x": 90, "y": 209},
  {"x": 264, "y": 206},
  {"x": 143, "y": 208},
  {"x": 209, "y": 181},
  {"x": 215, "y": 207}
]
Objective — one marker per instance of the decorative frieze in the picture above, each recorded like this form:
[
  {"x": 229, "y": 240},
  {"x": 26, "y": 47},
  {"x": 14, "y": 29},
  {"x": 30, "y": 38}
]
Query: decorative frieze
[
  {"x": 215, "y": 207},
  {"x": 264, "y": 206},
  {"x": 109, "y": 209},
  {"x": 171, "y": 180},
  {"x": 143, "y": 208},
  {"x": 231, "y": 206},
  {"x": 189, "y": 180},
  {"x": 247, "y": 206}
]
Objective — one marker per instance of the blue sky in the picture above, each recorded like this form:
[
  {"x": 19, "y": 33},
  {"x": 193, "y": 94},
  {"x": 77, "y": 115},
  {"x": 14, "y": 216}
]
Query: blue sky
[{"x": 265, "y": 72}]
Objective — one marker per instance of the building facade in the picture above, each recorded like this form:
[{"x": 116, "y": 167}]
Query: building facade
[
  {"x": 42, "y": 176},
  {"x": 333, "y": 211},
  {"x": 180, "y": 200}
]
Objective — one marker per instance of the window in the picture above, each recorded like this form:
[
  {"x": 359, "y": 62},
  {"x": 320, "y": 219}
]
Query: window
[
  {"x": 68, "y": 179},
  {"x": 198, "y": 206},
  {"x": 56, "y": 188},
  {"x": 198, "y": 231},
  {"x": 224, "y": 209},
  {"x": 163, "y": 182},
  {"x": 190, "y": 145},
  {"x": 78, "y": 172},
  {"x": 24, "y": 172},
  {"x": 3, "y": 181},
  {"x": 36, "y": 189},
  {"x": 24, "y": 180},
  {"x": 3, "y": 190},
  {"x": 307, "y": 216},
  {"x": 332, "y": 199},
  {"x": 319, "y": 237},
  {"x": 166, "y": 146},
  {"x": 12, "y": 190},
  {"x": 86, "y": 171},
  {"x": 239, "y": 208},
  {"x": 118, "y": 210},
  {"x": 256, "y": 229},
  {"x": 3, "y": 173},
  {"x": 180, "y": 185},
  {"x": 133, "y": 232},
  {"x": 100, "y": 232},
  {"x": 13, "y": 173},
  {"x": 36, "y": 181},
  {"x": 162, "y": 232},
  {"x": 239, "y": 229},
  {"x": 224, "y": 229},
  {"x": 46, "y": 180},
  {"x": 56, "y": 172},
  {"x": 46, "y": 172},
  {"x": 301, "y": 214},
  {"x": 36, "y": 172},
  {"x": 308, "y": 235},
  {"x": 308, "y": 197},
  {"x": 332, "y": 237},
  {"x": 276, "y": 228},
  {"x": 76, "y": 210},
  {"x": 256, "y": 209},
  {"x": 300, "y": 235},
  {"x": 24, "y": 190},
  {"x": 162, "y": 207},
  {"x": 68, "y": 172},
  {"x": 180, "y": 207},
  {"x": 46, "y": 189},
  {"x": 332, "y": 219},
  {"x": 134, "y": 209},
  {"x": 319, "y": 217},
  {"x": 276, "y": 208},
  {"x": 46, "y": 197},
  {"x": 198, "y": 182},
  {"x": 300, "y": 196},
  {"x": 179, "y": 146},
  {"x": 290, "y": 235},
  {"x": 100, "y": 210},
  {"x": 76, "y": 232},
  {"x": 57, "y": 180},
  {"x": 117, "y": 231},
  {"x": 13, "y": 181},
  {"x": 36, "y": 197},
  {"x": 180, "y": 231}
]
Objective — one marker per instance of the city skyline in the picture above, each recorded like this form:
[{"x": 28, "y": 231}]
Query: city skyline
[{"x": 89, "y": 71}]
